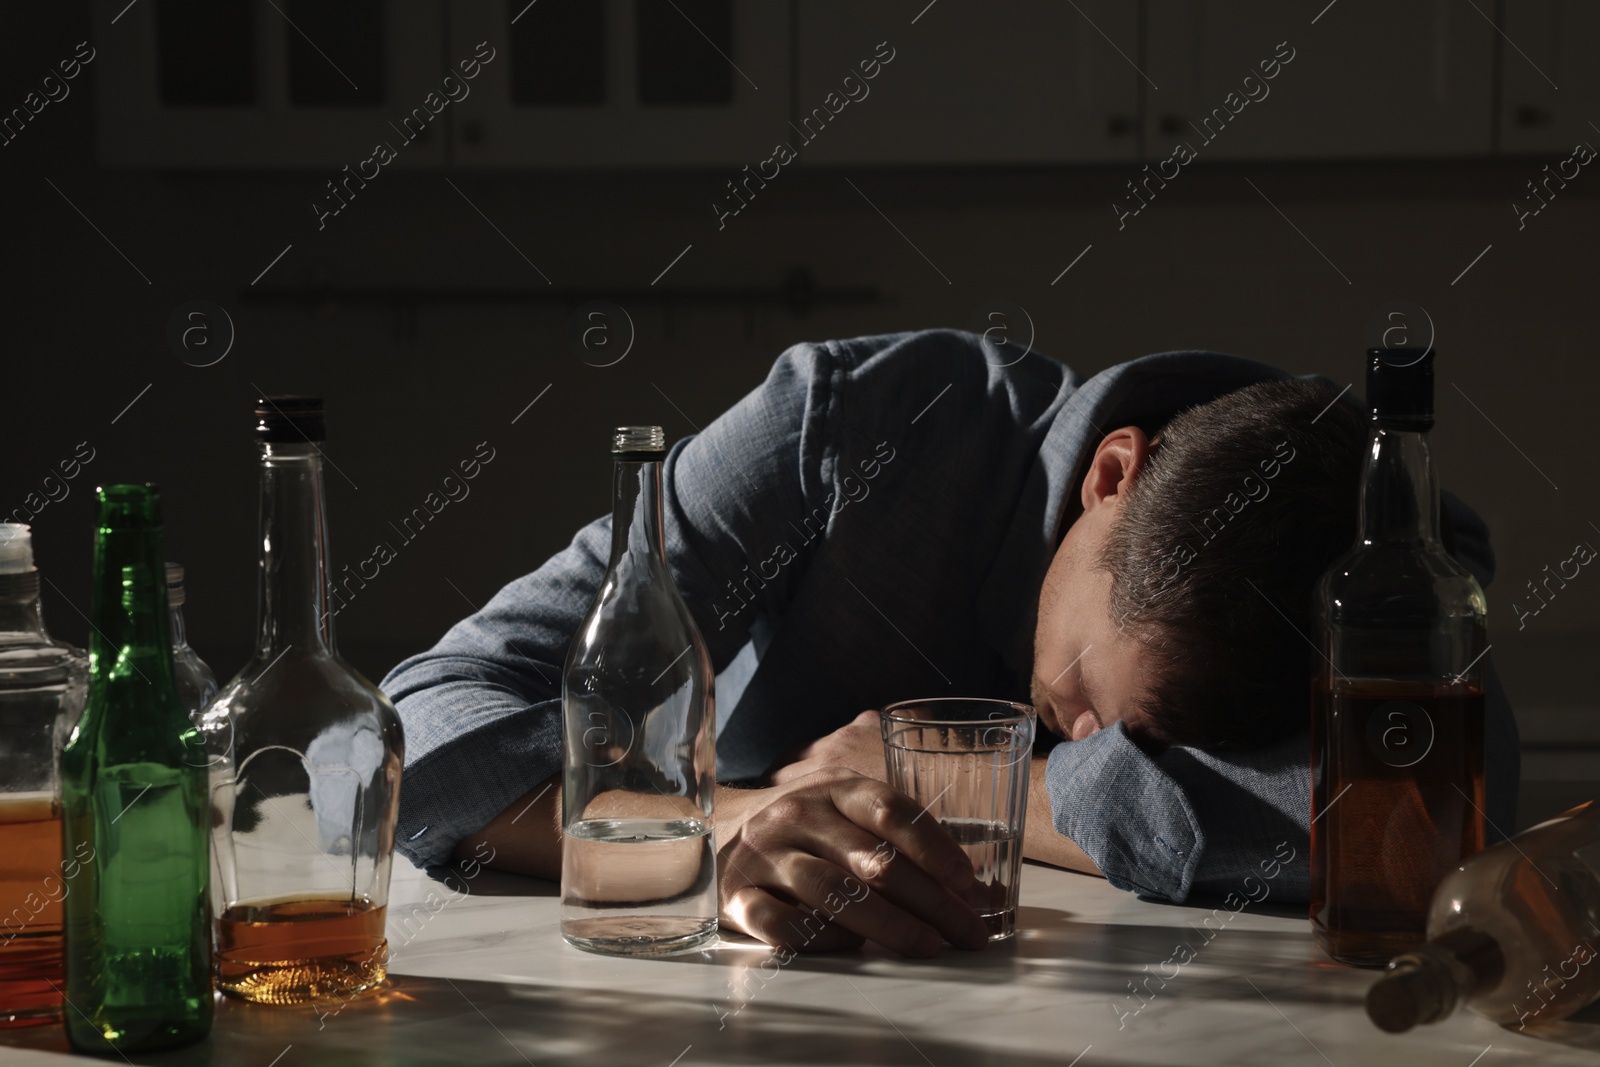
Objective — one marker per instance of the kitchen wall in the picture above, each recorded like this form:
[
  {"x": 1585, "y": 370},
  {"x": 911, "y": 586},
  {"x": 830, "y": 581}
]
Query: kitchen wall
[{"x": 1282, "y": 262}]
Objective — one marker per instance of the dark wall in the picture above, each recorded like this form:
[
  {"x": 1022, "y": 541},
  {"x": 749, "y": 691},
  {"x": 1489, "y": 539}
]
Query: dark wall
[{"x": 412, "y": 390}]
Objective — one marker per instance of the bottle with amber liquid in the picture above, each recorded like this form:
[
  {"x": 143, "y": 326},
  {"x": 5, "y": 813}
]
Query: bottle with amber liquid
[
  {"x": 1397, "y": 723},
  {"x": 305, "y": 761},
  {"x": 42, "y": 686},
  {"x": 1514, "y": 934}
]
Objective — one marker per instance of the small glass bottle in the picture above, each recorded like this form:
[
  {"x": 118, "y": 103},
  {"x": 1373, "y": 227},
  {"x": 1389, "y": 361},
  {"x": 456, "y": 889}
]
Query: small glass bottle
[
  {"x": 638, "y": 858},
  {"x": 307, "y": 756},
  {"x": 196, "y": 684},
  {"x": 133, "y": 799},
  {"x": 1397, "y": 722},
  {"x": 42, "y": 686},
  {"x": 1513, "y": 934}
]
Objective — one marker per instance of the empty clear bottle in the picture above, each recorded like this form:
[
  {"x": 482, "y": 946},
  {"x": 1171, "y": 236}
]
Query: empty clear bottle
[
  {"x": 1513, "y": 934},
  {"x": 196, "y": 684},
  {"x": 133, "y": 800},
  {"x": 42, "y": 685},
  {"x": 1397, "y": 725},
  {"x": 638, "y": 859},
  {"x": 306, "y": 778}
]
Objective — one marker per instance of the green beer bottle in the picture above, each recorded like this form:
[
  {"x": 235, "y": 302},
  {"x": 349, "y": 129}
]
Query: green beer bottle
[{"x": 134, "y": 792}]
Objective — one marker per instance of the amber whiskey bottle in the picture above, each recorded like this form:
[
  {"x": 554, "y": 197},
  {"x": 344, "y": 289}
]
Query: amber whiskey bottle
[{"x": 1398, "y": 709}]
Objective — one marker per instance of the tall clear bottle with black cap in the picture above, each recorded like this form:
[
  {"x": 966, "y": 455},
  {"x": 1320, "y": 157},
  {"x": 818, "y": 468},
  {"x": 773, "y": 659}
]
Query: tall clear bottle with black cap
[
  {"x": 1398, "y": 706},
  {"x": 306, "y": 761},
  {"x": 638, "y": 860}
]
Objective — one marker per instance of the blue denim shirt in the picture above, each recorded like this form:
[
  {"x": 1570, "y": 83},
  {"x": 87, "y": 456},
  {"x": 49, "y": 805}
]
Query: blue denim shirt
[{"x": 873, "y": 523}]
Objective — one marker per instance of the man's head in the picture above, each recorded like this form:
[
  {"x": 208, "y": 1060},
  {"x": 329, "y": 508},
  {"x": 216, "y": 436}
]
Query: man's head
[{"x": 1180, "y": 600}]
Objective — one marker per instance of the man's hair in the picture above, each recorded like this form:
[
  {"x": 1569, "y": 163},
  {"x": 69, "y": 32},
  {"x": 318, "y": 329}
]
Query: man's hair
[{"x": 1242, "y": 505}]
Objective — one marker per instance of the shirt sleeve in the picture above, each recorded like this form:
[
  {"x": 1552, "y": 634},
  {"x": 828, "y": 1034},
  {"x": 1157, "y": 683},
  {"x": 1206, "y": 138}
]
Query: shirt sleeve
[
  {"x": 1186, "y": 820},
  {"x": 482, "y": 708}
]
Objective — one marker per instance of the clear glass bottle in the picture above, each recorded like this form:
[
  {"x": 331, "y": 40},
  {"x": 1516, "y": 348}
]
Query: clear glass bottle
[
  {"x": 42, "y": 687},
  {"x": 638, "y": 858},
  {"x": 196, "y": 684},
  {"x": 306, "y": 778},
  {"x": 1398, "y": 714},
  {"x": 1513, "y": 934},
  {"x": 133, "y": 804}
]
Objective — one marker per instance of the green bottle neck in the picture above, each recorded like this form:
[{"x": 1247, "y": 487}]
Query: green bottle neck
[{"x": 130, "y": 637}]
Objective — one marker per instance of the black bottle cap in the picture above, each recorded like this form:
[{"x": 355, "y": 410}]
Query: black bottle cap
[
  {"x": 1400, "y": 387},
  {"x": 289, "y": 419}
]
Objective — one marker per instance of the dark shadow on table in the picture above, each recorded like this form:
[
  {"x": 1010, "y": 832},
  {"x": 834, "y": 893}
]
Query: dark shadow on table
[
  {"x": 426, "y": 1021},
  {"x": 490, "y": 883}
]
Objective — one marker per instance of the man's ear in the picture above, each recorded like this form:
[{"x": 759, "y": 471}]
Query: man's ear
[{"x": 1118, "y": 460}]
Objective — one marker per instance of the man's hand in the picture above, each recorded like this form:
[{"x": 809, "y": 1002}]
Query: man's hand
[
  {"x": 835, "y": 858},
  {"x": 857, "y": 745}
]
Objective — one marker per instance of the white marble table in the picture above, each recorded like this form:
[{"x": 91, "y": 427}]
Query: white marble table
[{"x": 484, "y": 978}]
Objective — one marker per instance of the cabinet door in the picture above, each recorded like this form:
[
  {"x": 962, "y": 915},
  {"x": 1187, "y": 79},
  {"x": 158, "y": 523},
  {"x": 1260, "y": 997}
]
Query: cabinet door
[
  {"x": 1551, "y": 45},
  {"x": 1370, "y": 78},
  {"x": 200, "y": 85},
  {"x": 622, "y": 83},
  {"x": 1027, "y": 81}
]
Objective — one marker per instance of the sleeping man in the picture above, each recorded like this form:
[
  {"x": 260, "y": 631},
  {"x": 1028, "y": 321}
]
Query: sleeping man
[{"x": 928, "y": 514}]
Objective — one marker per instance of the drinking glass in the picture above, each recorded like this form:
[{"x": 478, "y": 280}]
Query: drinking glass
[{"x": 966, "y": 760}]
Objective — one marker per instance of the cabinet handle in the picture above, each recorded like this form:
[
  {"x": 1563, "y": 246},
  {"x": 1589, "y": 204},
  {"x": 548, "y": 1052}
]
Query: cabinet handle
[
  {"x": 1531, "y": 116},
  {"x": 473, "y": 131},
  {"x": 1119, "y": 126},
  {"x": 1172, "y": 124}
]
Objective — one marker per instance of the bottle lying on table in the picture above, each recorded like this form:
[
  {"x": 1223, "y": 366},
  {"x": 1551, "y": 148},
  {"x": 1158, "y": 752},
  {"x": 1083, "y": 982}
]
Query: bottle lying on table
[
  {"x": 133, "y": 798},
  {"x": 1513, "y": 934},
  {"x": 306, "y": 757}
]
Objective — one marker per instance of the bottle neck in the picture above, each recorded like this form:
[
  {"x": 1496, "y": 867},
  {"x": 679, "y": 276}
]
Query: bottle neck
[
  {"x": 20, "y": 614},
  {"x": 128, "y": 609},
  {"x": 1399, "y": 493},
  {"x": 180, "y": 635},
  {"x": 1428, "y": 984},
  {"x": 637, "y": 533},
  {"x": 293, "y": 592}
]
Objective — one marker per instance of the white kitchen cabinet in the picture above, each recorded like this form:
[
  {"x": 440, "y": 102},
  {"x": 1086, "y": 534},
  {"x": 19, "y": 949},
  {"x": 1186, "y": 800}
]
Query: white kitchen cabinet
[
  {"x": 1023, "y": 82},
  {"x": 1550, "y": 85},
  {"x": 289, "y": 110},
  {"x": 601, "y": 114},
  {"x": 1367, "y": 79}
]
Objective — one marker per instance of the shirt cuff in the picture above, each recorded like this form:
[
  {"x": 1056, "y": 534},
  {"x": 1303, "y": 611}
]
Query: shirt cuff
[{"x": 1126, "y": 814}]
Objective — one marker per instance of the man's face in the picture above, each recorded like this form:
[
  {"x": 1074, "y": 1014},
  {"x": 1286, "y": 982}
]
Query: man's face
[{"x": 1087, "y": 674}]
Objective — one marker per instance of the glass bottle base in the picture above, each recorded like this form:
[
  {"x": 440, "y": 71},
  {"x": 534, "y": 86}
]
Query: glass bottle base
[
  {"x": 307, "y": 981},
  {"x": 1366, "y": 948},
  {"x": 132, "y": 1034},
  {"x": 300, "y": 951},
  {"x": 639, "y": 935}
]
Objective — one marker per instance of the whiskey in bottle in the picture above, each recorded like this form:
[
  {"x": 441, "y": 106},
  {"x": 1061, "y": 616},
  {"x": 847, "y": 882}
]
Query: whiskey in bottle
[
  {"x": 1397, "y": 722},
  {"x": 306, "y": 757},
  {"x": 42, "y": 685},
  {"x": 1513, "y": 934}
]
